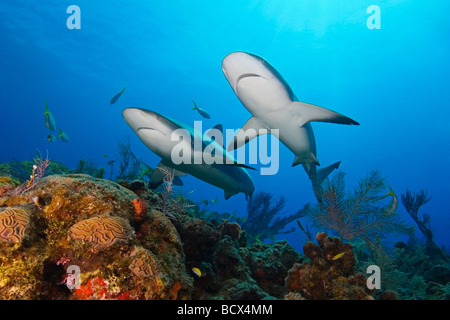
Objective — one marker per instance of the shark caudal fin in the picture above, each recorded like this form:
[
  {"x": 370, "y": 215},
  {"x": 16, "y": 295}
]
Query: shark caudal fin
[
  {"x": 323, "y": 173},
  {"x": 305, "y": 112},
  {"x": 318, "y": 178}
]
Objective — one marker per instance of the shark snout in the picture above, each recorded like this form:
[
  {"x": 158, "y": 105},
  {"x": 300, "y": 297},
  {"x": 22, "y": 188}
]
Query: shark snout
[{"x": 137, "y": 118}]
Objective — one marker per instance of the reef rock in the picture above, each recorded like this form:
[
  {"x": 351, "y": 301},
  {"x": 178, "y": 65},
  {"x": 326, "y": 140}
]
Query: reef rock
[
  {"x": 91, "y": 224},
  {"x": 269, "y": 264},
  {"x": 329, "y": 275}
]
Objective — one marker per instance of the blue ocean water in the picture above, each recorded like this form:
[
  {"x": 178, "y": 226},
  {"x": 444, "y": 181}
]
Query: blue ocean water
[{"x": 393, "y": 81}]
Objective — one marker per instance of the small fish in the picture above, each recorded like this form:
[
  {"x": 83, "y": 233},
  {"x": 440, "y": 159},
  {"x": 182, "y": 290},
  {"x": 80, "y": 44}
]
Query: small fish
[
  {"x": 105, "y": 156},
  {"x": 197, "y": 272},
  {"x": 63, "y": 136},
  {"x": 51, "y": 137},
  {"x": 38, "y": 202},
  {"x": 50, "y": 123},
  {"x": 339, "y": 255},
  {"x": 392, "y": 206},
  {"x": 117, "y": 96},
  {"x": 208, "y": 202},
  {"x": 202, "y": 112}
]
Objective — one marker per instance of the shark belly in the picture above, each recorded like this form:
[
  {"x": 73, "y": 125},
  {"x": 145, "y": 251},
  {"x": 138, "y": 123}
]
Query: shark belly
[
  {"x": 260, "y": 96},
  {"x": 270, "y": 102},
  {"x": 231, "y": 179}
]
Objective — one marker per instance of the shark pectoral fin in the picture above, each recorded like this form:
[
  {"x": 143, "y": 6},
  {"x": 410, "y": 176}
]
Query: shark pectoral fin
[
  {"x": 323, "y": 173},
  {"x": 236, "y": 164},
  {"x": 252, "y": 129},
  {"x": 241, "y": 165},
  {"x": 160, "y": 173},
  {"x": 177, "y": 181},
  {"x": 306, "y": 160},
  {"x": 305, "y": 112},
  {"x": 229, "y": 194},
  {"x": 156, "y": 180},
  {"x": 178, "y": 173}
]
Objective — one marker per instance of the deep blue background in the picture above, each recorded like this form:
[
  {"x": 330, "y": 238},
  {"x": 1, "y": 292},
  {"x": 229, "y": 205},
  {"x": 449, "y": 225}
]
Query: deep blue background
[{"x": 394, "y": 81}]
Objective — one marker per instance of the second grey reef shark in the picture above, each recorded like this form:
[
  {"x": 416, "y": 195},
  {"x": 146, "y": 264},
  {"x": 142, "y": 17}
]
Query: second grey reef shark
[
  {"x": 157, "y": 133},
  {"x": 273, "y": 105}
]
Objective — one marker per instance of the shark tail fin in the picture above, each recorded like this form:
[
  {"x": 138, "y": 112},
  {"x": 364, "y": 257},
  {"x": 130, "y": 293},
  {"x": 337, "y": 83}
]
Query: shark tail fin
[
  {"x": 305, "y": 112},
  {"x": 318, "y": 178},
  {"x": 195, "y": 105},
  {"x": 323, "y": 173}
]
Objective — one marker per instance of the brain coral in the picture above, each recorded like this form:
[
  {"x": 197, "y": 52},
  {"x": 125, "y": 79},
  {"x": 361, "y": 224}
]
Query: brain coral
[
  {"x": 102, "y": 231},
  {"x": 13, "y": 222},
  {"x": 144, "y": 264}
]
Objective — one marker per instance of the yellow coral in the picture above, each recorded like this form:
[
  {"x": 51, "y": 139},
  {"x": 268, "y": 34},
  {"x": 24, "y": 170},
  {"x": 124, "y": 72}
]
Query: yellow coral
[
  {"x": 5, "y": 180},
  {"x": 102, "y": 231}
]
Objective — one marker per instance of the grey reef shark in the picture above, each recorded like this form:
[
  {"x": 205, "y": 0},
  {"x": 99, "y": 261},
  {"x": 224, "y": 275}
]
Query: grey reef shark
[
  {"x": 203, "y": 157},
  {"x": 273, "y": 105}
]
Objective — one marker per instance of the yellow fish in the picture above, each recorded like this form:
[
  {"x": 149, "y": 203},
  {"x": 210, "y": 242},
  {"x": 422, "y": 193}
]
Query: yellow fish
[
  {"x": 339, "y": 255},
  {"x": 197, "y": 272},
  {"x": 390, "y": 209},
  {"x": 117, "y": 96},
  {"x": 49, "y": 120}
]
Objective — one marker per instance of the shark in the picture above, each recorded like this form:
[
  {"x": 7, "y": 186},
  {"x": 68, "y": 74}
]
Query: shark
[
  {"x": 273, "y": 105},
  {"x": 161, "y": 135}
]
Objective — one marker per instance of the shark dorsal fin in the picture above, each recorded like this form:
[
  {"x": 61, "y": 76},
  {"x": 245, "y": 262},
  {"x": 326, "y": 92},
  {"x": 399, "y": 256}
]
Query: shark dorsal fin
[{"x": 216, "y": 132}]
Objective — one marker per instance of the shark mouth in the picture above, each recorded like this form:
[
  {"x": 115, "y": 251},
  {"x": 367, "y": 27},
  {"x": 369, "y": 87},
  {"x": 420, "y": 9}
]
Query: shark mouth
[
  {"x": 248, "y": 75},
  {"x": 147, "y": 128}
]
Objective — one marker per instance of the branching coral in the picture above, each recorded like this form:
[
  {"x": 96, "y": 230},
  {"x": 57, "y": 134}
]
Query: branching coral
[
  {"x": 412, "y": 203},
  {"x": 130, "y": 165},
  {"x": 89, "y": 167},
  {"x": 263, "y": 220},
  {"x": 357, "y": 215},
  {"x": 37, "y": 174}
]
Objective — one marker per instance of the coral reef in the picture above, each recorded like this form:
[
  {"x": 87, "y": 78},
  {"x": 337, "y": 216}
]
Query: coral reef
[
  {"x": 230, "y": 268},
  {"x": 131, "y": 242},
  {"x": 77, "y": 220},
  {"x": 329, "y": 274},
  {"x": 264, "y": 218},
  {"x": 88, "y": 167}
]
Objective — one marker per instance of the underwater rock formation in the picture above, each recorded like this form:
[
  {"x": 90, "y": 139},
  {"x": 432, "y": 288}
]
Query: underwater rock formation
[
  {"x": 269, "y": 264},
  {"x": 330, "y": 273},
  {"x": 77, "y": 220},
  {"x": 229, "y": 268}
]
